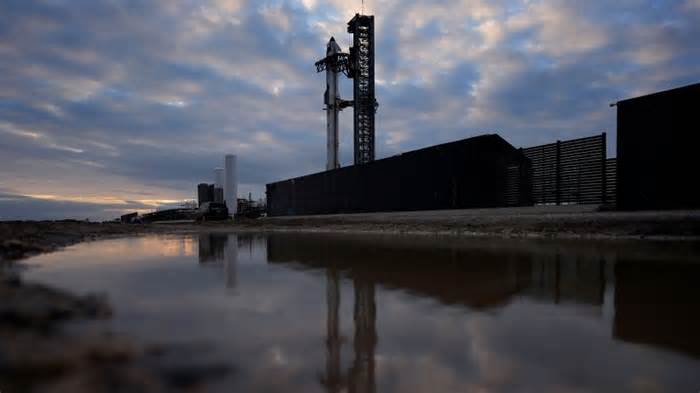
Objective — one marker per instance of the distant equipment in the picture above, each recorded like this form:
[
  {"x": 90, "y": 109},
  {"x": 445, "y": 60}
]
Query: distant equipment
[
  {"x": 230, "y": 184},
  {"x": 212, "y": 211},
  {"x": 130, "y": 218}
]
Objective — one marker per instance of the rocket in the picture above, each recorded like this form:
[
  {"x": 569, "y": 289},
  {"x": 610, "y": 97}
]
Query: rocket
[{"x": 332, "y": 101}]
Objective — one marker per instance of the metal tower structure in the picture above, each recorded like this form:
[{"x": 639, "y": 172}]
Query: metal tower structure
[
  {"x": 361, "y": 69},
  {"x": 359, "y": 66}
]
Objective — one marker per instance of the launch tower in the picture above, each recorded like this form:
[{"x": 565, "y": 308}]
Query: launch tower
[
  {"x": 361, "y": 70},
  {"x": 358, "y": 65}
]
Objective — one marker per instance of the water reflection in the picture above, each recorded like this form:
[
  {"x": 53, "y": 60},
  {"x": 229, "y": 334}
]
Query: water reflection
[
  {"x": 477, "y": 277},
  {"x": 653, "y": 301},
  {"x": 658, "y": 305},
  {"x": 344, "y": 313},
  {"x": 217, "y": 249}
]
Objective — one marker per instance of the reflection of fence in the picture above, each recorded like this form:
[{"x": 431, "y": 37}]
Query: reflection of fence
[{"x": 570, "y": 171}]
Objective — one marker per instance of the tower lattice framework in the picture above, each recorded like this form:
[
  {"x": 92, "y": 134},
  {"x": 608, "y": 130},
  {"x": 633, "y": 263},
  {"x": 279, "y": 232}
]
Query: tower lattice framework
[{"x": 362, "y": 71}]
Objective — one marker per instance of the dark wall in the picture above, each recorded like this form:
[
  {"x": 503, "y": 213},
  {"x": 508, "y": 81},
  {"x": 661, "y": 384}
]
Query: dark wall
[
  {"x": 657, "y": 142},
  {"x": 484, "y": 171}
]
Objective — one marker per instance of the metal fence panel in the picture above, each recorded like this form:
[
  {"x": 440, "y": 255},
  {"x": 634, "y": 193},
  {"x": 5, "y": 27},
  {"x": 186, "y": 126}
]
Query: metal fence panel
[
  {"x": 484, "y": 171},
  {"x": 569, "y": 172}
]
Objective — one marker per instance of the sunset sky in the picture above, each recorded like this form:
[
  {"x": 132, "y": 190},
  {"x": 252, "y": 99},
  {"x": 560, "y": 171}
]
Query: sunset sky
[{"x": 110, "y": 106}]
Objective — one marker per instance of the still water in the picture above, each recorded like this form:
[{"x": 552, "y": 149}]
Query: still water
[{"x": 332, "y": 313}]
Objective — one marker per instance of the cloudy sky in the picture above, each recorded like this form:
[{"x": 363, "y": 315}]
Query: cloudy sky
[{"x": 108, "y": 106}]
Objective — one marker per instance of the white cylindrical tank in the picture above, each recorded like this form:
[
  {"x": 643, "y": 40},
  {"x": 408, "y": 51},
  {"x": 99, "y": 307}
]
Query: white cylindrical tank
[
  {"x": 332, "y": 98},
  {"x": 230, "y": 184},
  {"x": 219, "y": 177}
]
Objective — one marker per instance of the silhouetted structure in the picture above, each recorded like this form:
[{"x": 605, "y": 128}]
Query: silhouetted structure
[
  {"x": 483, "y": 171},
  {"x": 361, "y": 70},
  {"x": 205, "y": 193},
  {"x": 130, "y": 218},
  {"x": 169, "y": 215},
  {"x": 657, "y": 141},
  {"x": 572, "y": 171}
]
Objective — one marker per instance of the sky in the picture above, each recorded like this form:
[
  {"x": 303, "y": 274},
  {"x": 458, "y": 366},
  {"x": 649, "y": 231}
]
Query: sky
[{"x": 112, "y": 106}]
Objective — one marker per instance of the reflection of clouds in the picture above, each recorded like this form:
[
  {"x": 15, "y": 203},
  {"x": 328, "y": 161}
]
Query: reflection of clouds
[
  {"x": 273, "y": 331},
  {"x": 495, "y": 369}
]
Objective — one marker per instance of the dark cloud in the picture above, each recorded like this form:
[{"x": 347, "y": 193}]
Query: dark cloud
[{"x": 20, "y": 207}]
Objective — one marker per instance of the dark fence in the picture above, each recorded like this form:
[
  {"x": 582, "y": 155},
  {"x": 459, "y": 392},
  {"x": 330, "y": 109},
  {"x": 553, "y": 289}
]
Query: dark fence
[
  {"x": 569, "y": 172},
  {"x": 484, "y": 171}
]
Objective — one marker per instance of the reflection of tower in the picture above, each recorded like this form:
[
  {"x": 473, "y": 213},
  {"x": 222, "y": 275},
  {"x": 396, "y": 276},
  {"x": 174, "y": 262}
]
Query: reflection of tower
[
  {"x": 365, "y": 316},
  {"x": 231, "y": 261},
  {"x": 333, "y": 378},
  {"x": 230, "y": 184},
  {"x": 211, "y": 248},
  {"x": 217, "y": 249}
]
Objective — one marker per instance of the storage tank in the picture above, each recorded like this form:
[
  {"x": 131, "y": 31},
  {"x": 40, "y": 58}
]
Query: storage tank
[
  {"x": 219, "y": 177},
  {"x": 231, "y": 184}
]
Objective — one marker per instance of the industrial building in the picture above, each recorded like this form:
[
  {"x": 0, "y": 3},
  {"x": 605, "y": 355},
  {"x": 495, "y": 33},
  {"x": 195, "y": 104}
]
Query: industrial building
[
  {"x": 231, "y": 184},
  {"x": 657, "y": 140},
  {"x": 205, "y": 193},
  {"x": 483, "y": 171},
  {"x": 225, "y": 186}
]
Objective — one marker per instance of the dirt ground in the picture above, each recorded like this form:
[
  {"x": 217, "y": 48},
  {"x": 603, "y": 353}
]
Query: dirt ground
[{"x": 543, "y": 221}]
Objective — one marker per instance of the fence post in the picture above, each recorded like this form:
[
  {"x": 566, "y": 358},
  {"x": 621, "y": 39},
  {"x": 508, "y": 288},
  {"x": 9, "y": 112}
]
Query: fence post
[
  {"x": 558, "y": 175},
  {"x": 604, "y": 180}
]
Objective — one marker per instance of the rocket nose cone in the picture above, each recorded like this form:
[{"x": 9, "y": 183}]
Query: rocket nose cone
[{"x": 332, "y": 47}]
